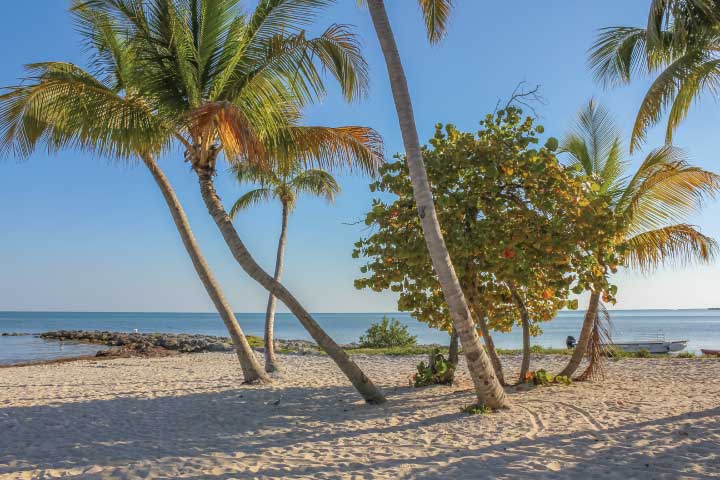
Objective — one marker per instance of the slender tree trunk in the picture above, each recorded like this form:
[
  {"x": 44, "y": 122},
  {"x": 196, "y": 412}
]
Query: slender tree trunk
[
  {"x": 489, "y": 343},
  {"x": 252, "y": 371},
  {"x": 487, "y": 387},
  {"x": 453, "y": 351},
  {"x": 362, "y": 383},
  {"x": 585, "y": 334},
  {"x": 525, "y": 319},
  {"x": 271, "y": 363}
]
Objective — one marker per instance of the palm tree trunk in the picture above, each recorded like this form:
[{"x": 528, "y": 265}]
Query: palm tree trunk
[
  {"x": 271, "y": 363},
  {"x": 525, "y": 319},
  {"x": 362, "y": 383},
  {"x": 252, "y": 371},
  {"x": 489, "y": 343},
  {"x": 453, "y": 350},
  {"x": 585, "y": 334},
  {"x": 487, "y": 388}
]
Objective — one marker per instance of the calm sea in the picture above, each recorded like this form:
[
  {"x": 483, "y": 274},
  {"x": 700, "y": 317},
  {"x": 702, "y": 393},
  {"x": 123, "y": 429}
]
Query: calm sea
[{"x": 700, "y": 327}]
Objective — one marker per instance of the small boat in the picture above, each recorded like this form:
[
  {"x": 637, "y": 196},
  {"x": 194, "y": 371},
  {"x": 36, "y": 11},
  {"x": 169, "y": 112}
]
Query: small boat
[
  {"x": 655, "y": 344},
  {"x": 706, "y": 351}
]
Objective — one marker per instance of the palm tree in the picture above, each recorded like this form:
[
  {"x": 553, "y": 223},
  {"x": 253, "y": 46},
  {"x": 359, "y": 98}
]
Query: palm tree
[
  {"x": 284, "y": 183},
  {"x": 679, "y": 47},
  {"x": 60, "y": 105},
  {"x": 488, "y": 389},
  {"x": 650, "y": 203},
  {"x": 231, "y": 84}
]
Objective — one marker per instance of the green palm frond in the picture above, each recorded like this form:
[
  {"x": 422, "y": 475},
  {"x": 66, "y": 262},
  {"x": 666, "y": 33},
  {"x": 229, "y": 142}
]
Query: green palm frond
[
  {"x": 62, "y": 106},
  {"x": 315, "y": 182},
  {"x": 675, "y": 244},
  {"x": 662, "y": 93},
  {"x": 618, "y": 55},
  {"x": 436, "y": 14},
  {"x": 594, "y": 144},
  {"x": 250, "y": 199}
]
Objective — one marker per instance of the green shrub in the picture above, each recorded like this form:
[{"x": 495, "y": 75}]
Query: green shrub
[
  {"x": 438, "y": 371},
  {"x": 685, "y": 355},
  {"x": 542, "y": 377},
  {"x": 387, "y": 334},
  {"x": 476, "y": 409},
  {"x": 644, "y": 353}
]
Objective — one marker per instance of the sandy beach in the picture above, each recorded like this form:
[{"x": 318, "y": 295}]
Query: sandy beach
[{"x": 189, "y": 417}]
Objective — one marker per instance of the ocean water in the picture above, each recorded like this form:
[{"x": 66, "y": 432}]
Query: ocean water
[{"x": 700, "y": 327}]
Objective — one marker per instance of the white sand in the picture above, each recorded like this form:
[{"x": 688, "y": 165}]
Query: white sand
[{"x": 189, "y": 417}]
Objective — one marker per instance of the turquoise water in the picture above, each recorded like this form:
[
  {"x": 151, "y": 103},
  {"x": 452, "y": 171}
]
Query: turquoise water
[{"x": 700, "y": 327}]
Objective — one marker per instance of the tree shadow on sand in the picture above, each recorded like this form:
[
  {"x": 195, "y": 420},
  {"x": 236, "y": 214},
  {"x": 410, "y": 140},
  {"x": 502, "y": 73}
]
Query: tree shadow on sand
[{"x": 254, "y": 422}]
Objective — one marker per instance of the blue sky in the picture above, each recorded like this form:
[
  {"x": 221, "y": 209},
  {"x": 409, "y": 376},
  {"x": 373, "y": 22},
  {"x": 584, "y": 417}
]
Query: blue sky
[{"x": 82, "y": 233}]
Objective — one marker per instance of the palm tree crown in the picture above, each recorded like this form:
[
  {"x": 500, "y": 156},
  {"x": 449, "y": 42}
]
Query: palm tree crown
[
  {"x": 679, "y": 46},
  {"x": 197, "y": 72},
  {"x": 283, "y": 184},
  {"x": 653, "y": 202}
]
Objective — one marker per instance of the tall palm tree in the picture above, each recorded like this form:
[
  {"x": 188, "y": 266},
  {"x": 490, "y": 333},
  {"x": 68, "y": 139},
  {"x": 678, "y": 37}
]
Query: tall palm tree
[
  {"x": 651, "y": 203},
  {"x": 60, "y": 105},
  {"x": 488, "y": 389},
  {"x": 235, "y": 85},
  {"x": 284, "y": 183},
  {"x": 679, "y": 46}
]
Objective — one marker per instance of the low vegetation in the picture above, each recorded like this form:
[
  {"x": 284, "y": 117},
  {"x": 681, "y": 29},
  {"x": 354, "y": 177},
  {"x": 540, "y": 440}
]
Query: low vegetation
[{"x": 389, "y": 333}]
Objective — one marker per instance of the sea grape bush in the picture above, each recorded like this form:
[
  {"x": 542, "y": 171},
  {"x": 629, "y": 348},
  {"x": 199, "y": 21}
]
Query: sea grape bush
[
  {"x": 438, "y": 371},
  {"x": 511, "y": 214},
  {"x": 387, "y": 334}
]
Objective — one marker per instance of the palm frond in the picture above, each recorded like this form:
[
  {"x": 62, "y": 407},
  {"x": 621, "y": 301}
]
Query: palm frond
[
  {"x": 62, "y": 106},
  {"x": 251, "y": 198},
  {"x": 238, "y": 137},
  {"x": 436, "y": 14},
  {"x": 594, "y": 144},
  {"x": 665, "y": 189},
  {"x": 245, "y": 172},
  {"x": 330, "y": 148},
  {"x": 676, "y": 244},
  {"x": 663, "y": 91},
  {"x": 315, "y": 182}
]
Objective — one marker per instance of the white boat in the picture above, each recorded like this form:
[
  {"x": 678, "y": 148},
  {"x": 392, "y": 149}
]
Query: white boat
[{"x": 655, "y": 344}]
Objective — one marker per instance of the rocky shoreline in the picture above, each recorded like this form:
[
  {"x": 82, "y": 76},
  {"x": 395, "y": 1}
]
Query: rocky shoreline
[{"x": 152, "y": 344}]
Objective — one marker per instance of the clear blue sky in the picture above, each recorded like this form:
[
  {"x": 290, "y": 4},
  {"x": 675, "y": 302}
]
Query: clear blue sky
[{"x": 79, "y": 233}]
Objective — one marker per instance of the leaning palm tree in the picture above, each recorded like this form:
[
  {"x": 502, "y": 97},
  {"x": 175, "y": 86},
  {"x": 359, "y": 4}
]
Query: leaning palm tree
[
  {"x": 285, "y": 183},
  {"x": 488, "y": 389},
  {"x": 233, "y": 86},
  {"x": 650, "y": 204},
  {"x": 679, "y": 47},
  {"x": 60, "y": 105}
]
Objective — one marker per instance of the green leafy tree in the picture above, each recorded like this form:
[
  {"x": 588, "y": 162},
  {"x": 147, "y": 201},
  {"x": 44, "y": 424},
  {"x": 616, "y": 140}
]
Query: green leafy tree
[
  {"x": 650, "y": 204},
  {"x": 488, "y": 389},
  {"x": 387, "y": 334},
  {"x": 522, "y": 229},
  {"x": 284, "y": 183},
  {"x": 678, "y": 47},
  {"x": 217, "y": 81}
]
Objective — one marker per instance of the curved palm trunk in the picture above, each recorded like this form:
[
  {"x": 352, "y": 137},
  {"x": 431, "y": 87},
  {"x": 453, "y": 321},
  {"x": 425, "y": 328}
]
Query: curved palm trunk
[
  {"x": 487, "y": 388},
  {"x": 453, "y": 350},
  {"x": 271, "y": 363},
  {"x": 525, "y": 319},
  {"x": 362, "y": 383},
  {"x": 252, "y": 371},
  {"x": 489, "y": 344},
  {"x": 585, "y": 333}
]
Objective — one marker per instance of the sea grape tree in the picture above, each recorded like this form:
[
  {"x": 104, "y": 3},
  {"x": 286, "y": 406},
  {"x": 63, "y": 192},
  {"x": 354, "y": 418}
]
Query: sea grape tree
[{"x": 524, "y": 231}]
